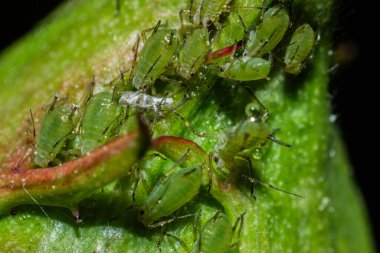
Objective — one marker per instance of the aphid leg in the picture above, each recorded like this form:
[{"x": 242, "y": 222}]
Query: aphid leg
[
  {"x": 253, "y": 180},
  {"x": 165, "y": 222},
  {"x": 154, "y": 29},
  {"x": 182, "y": 243},
  {"x": 138, "y": 175},
  {"x": 173, "y": 81},
  {"x": 196, "y": 225},
  {"x": 239, "y": 222},
  {"x": 51, "y": 106},
  {"x": 148, "y": 72},
  {"x": 180, "y": 14},
  {"x": 85, "y": 98},
  {"x": 248, "y": 166},
  {"x": 277, "y": 141},
  {"x": 135, "y": 50},
  {"x": 210, "y": 170},
  {"x": 181, "y": 103},
  {"x": 265, "y": 114},
  {"x": 190, "y": 127},
  {"x": 246, "y": 31},
  {"x": 263, "y": 10},
  {"x": 31, "y": 122}
]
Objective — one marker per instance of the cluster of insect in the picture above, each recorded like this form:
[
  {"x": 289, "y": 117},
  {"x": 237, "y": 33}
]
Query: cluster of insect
[{"x": 181, "y": 57}]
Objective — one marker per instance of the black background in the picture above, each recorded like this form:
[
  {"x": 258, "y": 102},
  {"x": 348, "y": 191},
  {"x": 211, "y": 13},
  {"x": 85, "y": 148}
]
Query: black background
[{"x": 351, "y": 86}]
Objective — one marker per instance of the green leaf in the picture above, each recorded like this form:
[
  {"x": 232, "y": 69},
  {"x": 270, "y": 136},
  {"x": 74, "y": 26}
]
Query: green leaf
[{"x": 82, "y": 39}]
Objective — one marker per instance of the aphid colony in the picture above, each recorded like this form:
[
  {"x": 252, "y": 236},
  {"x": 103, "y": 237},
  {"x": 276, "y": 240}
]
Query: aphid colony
[{"x": 181, "y": 56}]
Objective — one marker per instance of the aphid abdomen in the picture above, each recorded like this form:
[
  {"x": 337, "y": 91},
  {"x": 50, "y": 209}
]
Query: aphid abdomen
[
  {"x": 268, "y": 33},
  {"x": 193, "y": 54},
  {"x": 55, "y": 129},
  {"x": 247, "y": 69},
  {"x": 215, "y": 236},
  {"x": 299, "y": 48},
  {"x": 154, "y": 58},
  {"x": 168, "y": 196},
  {"x": 233, "y": 30},
  {"x": 211, "y": 10},
  {"x": 100, "y": 121}
]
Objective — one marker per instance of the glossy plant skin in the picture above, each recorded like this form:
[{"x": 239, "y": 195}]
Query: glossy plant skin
[{"x": 315, "y": 166}]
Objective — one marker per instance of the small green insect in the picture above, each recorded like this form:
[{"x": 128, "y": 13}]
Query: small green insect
[
  {"x": 216, "y": 234},
  {"x": 56, "y": 128},
  {"x": 203, "y": 13},
  {"x": 170, "y": 193},
  {"x": 246, "y": 69},
  {"x": 155, "y": 57},
  {"x": 193, "y": 53},
  {"x": 250, "y": 134},
  {"x": 101, "y": 121},
  {"x": 265, "y": 37},
  {"x": 299, "y": 48},
  {"x": 243, "y": 15}
]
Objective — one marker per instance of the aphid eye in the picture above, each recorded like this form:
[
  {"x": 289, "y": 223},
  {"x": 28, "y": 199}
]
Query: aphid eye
[
  {"x": 142, "y": 212},
  {"x": 252, "y": 111},
  {"x": 192, "y": 74}
]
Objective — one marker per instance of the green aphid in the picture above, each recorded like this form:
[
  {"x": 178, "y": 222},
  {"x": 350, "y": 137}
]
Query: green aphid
[
  {"x": 101, "y": 121},
  {"x": 299, "y": 48},
  {"x": 246, "y": 69},
  {"x": 216, "y": 235},
  {"x": 234, "y": 30},
  {"x": 252, "y": 133},
  {"x": 203, "y": 13},
  {"x": 192, "y": 55},
  {"x": 155, "y": 57},
  {"x": 268, "y": 33},
  {"x": 169, "y": 194},
  {"x": 56, "y": 128}
]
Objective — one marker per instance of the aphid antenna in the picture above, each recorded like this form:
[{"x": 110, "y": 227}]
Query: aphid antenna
[
  {"x": 279, "y": 142},
  {"x": 253, "y": 180},
  {"x": 33, "y": 199},
  {"x": 118, "y": 7}
]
